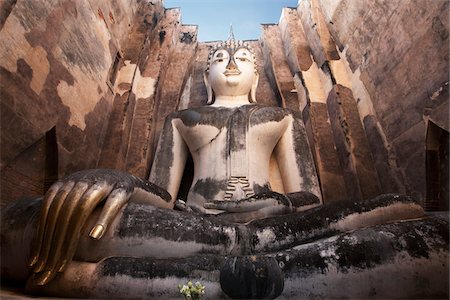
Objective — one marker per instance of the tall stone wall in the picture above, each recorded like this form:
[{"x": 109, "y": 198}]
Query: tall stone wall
[
  {"x": 88, "y": 84},
  {"x": 398, "y": 56},
  {"x": 55, "y": 64},
  {"x": 369, "y": 78}
]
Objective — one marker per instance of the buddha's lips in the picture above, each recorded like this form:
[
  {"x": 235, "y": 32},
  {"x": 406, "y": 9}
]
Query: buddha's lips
[{"x": 231, "y": 72}]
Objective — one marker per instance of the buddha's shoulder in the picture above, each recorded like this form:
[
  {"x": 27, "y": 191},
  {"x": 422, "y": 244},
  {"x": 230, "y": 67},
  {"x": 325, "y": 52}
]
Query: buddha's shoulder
[
  {"x": 217, "y": 116},
  {"x": 202, "y": 115},
  {"x": 271, "y": 113},
  {"x": 262, "y": 108}
]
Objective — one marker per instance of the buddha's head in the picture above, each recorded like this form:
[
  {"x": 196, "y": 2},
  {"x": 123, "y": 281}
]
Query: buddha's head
[{"x": 231, "y": 71}]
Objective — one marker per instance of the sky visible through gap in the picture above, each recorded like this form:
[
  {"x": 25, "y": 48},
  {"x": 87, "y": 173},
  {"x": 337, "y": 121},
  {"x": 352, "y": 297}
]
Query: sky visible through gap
[{"x": 214, "y": 17}]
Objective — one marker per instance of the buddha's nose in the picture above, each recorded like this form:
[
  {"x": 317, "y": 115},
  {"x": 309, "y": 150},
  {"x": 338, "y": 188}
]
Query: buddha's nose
[{"x": 232, "y": 65}]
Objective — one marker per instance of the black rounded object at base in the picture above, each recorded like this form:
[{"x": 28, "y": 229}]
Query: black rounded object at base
[{"x": 251, "y": 277}]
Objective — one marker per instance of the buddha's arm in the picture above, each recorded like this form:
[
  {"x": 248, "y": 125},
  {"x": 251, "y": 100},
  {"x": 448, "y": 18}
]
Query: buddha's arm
[
  {"x": 170, "y": 159},
  {"x": 295, "y": 160}
]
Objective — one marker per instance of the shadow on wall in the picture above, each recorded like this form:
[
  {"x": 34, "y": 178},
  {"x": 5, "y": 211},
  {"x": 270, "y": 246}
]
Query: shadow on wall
[
  {"x": 32, "y": 172},
  {"x": 437, "y": 167}
]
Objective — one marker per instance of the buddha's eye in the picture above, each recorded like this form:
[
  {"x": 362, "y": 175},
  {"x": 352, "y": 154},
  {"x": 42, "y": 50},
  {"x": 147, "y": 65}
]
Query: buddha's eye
[{"x": 242, "y": 59}]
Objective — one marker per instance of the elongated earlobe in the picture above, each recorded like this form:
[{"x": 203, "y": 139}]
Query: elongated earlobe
[
  {"x": 209, "y": 90},
  {"x": 254, "y": 86}
]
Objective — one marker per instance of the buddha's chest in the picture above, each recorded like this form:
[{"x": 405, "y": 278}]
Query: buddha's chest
[{"x": 231, "y": 129}]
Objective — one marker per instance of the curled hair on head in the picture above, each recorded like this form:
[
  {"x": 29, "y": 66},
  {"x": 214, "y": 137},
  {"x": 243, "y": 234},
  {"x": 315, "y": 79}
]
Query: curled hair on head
[{"x": 230, "y": 46}]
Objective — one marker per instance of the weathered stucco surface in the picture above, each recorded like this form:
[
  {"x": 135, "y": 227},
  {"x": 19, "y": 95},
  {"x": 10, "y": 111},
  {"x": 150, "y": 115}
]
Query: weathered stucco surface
[
  {"x": 399, "y": 49},
  {"x": 88, "y": 84},
  {"x": 391, "y": 58},
  {"x": 54, "y": 69}
]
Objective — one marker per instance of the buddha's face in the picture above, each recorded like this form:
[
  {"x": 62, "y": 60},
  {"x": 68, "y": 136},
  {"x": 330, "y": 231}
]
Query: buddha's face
[{"x": 231, "y": 73}]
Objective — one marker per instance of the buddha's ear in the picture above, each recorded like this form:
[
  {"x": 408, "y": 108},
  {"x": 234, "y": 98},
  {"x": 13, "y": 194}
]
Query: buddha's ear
[
  {"x": 253, "y": 90},
  {"x": 209, "y": 90}
]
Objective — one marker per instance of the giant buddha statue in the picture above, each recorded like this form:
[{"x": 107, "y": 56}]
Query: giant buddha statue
[{"x": 104, "y": 233}]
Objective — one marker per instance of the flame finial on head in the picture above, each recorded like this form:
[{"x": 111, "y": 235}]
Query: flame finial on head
[{"x": 231, "y": 34}]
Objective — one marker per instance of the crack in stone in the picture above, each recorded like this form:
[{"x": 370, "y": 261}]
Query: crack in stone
[{"x": 214, "y": 138}]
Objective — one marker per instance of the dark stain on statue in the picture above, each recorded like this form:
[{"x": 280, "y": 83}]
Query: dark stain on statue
[
  {"x": 366, "y": 248},
  {"x": 315, "y": 223},
  {"x": 143, "y": 221},
  {"x": 147, "y": 268},
  {"x": 303, "y": 260},
  {"x": 264, "y": 114},
  {"x": 416, "y": 246},
  {"x": 363, "y": 251},
  {"x": 205, "y": 115},
  {"x": 303, "y": 152},
  {"x": 208, "y": 186},
  {"x": 237, "y": 125},
  {"x": 251, "y": 277},
  {"x": 120, "y": 180},
  {"x": 299, "y": 199},
  {"x": 364, "y": 254},
  {"x": 258, "y": 189},
  {"x": 164, "y": 155}
]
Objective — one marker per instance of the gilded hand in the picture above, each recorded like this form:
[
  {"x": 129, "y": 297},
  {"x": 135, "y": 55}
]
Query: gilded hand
[{"x": 66, "y": 207}]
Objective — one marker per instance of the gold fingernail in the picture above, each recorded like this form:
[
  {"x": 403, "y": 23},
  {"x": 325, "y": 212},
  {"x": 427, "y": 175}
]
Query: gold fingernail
[
  {"x": 62, "y": 267},
  {"x": 97, "y": 232},
  {"x": 39, "y": 267},
  {"x": 44, "y": 278},
  {"x": 33, "y": 261}
]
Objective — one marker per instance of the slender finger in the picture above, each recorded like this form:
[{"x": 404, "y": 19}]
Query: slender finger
[
  {"x": 90, "y": 199},
  {"x": 48, "y": 199},
  {"x": 50, "y": 224},
  {"x": 72, "y": 201},
  {"x": 116, "y": 200}
]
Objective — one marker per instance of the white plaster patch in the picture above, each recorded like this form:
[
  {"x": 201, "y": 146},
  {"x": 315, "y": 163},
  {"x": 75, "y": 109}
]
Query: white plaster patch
[
  {"x": 125, "y": 75},
  {"x": 78, "y": 97},
  {"x": 364, "y": 102},
  {"x": 379, "y": 215},
  {"x": 14, "y": 47},
  {"x": 329, "y": 252},
  {"x": 266, "y": 236},
  {"x": 37, "y": 59},
  {"x": 340, "y": 73},
  {"x": 365, "y": 106},
  {"x": 143, "y": 87},
  {"x": 317, "y": 83},
  {"x": 13, "y": 43},
  {"x": 82, "y": 97}
]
